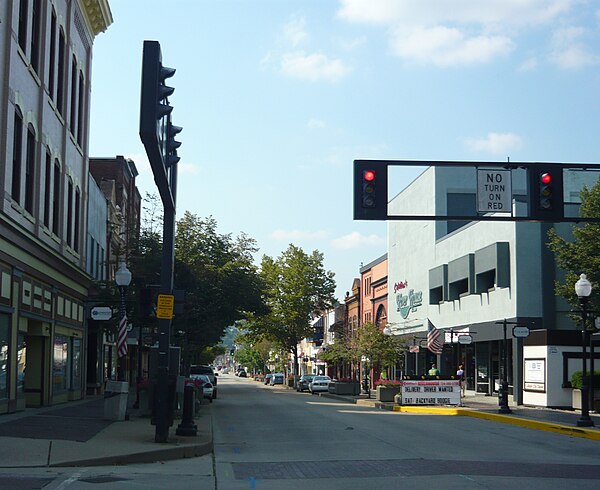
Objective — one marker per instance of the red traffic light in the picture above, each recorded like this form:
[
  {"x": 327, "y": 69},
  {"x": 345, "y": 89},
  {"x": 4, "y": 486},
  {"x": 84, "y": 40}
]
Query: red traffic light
[
  {"x": 369, "y": 175},
  {"x": 546, "y": 178}
]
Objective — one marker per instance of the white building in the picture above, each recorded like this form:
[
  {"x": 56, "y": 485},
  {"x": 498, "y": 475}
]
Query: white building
[{"x": 469, "y": 277}]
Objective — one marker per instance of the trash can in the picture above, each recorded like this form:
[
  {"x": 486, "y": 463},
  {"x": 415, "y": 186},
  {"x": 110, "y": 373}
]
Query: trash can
[{"x": 115, "y": 400}]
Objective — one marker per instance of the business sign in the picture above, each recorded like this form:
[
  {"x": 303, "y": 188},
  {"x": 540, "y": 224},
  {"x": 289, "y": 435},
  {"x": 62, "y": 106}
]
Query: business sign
[
  {"x": 431, "y": 392},
  {"x": 494, "y": 191},
  {"x": 465, "y": 339},
  {"x": 520, "y": 332},
  {"x": 407, "y": 303},
  {"x": 413, "y": 349},
  {"x": 101, "y": 313},
  {"x": 534, "y": 375}
]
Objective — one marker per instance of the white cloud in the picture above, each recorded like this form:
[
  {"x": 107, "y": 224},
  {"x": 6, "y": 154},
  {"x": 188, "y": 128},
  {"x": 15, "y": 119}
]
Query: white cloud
[
  {"x": 351, "y": 44},
  {"x": 356, "y": 240},
  {"x": 445, "y": 46},
  {"x": 292, "y": 235},
  {"x": 569, "y": 50},
  {"x": 315, "y": 124},
  {"x": 313, "y": 67},
  {"x": 294, "y": 31},
  {"x": 529, "y": 64},
  {"x": 488, "y": 13},
  {"x": 447, "y": 33},
  {"x": 495, "y": 143}
]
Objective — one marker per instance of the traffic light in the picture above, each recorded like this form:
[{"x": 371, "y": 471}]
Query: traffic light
[
  {"x": 546, "y": 192},
  {"x": 232, "y": 352},
  {"x": 370, "y": 190},
  {"x": 156, "y": 128}
]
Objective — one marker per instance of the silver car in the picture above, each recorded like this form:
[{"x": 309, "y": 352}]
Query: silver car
[
  {"x": 319, "y": 383},
  {"x": 207, "y": 386}
]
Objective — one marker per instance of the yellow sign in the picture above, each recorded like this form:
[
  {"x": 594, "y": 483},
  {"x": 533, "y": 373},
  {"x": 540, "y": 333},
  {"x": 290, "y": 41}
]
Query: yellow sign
[{"x": 164, "y": 306}]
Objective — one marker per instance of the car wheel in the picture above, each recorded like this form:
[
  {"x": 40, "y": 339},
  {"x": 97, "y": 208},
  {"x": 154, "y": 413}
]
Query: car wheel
[
  {"x": 210, "y": 400},
  {"x": 214, "y": 395}
]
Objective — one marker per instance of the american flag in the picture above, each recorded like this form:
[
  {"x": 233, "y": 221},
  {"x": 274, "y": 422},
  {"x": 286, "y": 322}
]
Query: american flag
[
  {"x": 435, "y": 340},
  {"x": 122, "y": 339}
]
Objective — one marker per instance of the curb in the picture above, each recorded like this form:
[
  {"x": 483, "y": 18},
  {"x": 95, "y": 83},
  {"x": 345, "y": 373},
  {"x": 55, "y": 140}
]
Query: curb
[
  {"x": 165, "y": 454},
  {"x": 506, "y": 419}
]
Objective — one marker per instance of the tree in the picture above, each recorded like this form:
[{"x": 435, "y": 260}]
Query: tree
[
  {"x": 380, "y": 350},
  {"x": 219, "y": 278},
  {"x": 297, "y": 288},
  {"x": 581, "y": 254}
]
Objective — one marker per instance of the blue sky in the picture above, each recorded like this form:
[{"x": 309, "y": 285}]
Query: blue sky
[{"x": 278, "y": 97}]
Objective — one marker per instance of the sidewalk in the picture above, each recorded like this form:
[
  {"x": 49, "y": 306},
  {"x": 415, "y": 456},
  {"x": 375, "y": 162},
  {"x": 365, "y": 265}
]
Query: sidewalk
[
  {"x": 486, "y": 407},
  {"x": 75, "y": 434}
]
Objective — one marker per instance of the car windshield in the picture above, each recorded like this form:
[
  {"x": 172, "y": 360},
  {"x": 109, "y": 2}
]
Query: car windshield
[{"x": 322, "y": 378}]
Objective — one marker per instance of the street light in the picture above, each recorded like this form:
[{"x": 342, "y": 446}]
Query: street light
[
  {"x": 123, "y": 279},
  {"x": 583, "y": 289}
]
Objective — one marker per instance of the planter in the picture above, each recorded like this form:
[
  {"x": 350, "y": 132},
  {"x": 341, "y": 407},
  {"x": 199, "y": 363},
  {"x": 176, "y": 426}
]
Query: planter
[
  {"x": 576, "y": 399},
  {"x": 387, "y": 393},
  {"x": 344, "y": 388}
]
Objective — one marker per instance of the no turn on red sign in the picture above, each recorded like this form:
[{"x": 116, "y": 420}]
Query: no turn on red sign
[{"x": 494, "y": 191}]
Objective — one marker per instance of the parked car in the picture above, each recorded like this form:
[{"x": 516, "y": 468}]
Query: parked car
[
  {"x": 303, "y": 382},
  {"x": 208, "y": 371},
  {"x": 319, "y": 383},
  {"x": 207, "y": 387},
  {"x": 277, "y": 379},
  {"x": 267, "y": 379},
  {"x": 242, "y": 373}
]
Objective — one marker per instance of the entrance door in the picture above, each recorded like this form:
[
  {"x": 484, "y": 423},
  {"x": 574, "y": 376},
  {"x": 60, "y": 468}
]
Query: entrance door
[{"x": 34, "y": 377}]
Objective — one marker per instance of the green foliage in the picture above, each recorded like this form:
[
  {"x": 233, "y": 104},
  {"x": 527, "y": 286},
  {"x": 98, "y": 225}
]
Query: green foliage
[
  {"x": 581, "y": 255},
  {"x": 219, "y": 277},
  {"x": 380, "y": 349},
  {"x": 297, "y": 287},
  {"x": 577, "y": 380}
]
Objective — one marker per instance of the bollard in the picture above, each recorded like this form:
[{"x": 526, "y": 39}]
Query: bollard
[{"x": 187, "y": 427}]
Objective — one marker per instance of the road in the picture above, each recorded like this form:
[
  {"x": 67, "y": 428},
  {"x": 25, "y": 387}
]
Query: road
[{"x": 274, "y": 438}]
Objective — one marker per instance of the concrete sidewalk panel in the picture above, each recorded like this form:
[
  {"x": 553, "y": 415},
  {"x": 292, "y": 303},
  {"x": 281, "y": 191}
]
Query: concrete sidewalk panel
[{"x": 21, "y": 453}]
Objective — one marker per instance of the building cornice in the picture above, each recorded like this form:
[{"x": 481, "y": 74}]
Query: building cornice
[{"x": 97, "y": 15}]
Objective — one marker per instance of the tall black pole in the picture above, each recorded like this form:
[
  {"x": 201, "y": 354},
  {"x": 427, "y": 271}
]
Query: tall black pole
[
  {"x": 503, "y": 398},
  {"x": 591, "y": 385},
  {"x": 139, "y": 369},
  {"x": 584, "y": 420}
]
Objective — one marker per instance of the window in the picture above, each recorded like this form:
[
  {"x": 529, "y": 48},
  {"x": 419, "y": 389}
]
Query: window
[
  {"x": 70, "y": 213},
  {"x": 35, "y": 35},
  {"x": 56, "y": 198},
  {"x": 52, "y": 60},
  {"x": 77, "y": 218},
  {"x": 60, "y": 85},
  {"x": 60, "y": 364},
  {"x": 23, "y": 24},
  {"x": 17, "y": 156},
  {"x": 73, "y": 113},
  {"x": 29, "y": 170},
  {"x": 80, "y": 112},
  {"x": 47, "y": 188}
]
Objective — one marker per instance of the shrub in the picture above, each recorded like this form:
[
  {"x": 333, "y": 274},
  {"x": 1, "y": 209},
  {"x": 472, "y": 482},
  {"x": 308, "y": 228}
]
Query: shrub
[
  {"x": 576, "y": 380},
  {"x": 388, "y": 382}
]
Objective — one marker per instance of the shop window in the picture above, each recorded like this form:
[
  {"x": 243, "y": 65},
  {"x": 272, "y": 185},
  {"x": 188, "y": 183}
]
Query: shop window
[
  {"x": 60, "y": 364},
  {"x": 4, "y": 360},
  {"x": 21, "y": 363},
  {"x": 76, "y": 372}
]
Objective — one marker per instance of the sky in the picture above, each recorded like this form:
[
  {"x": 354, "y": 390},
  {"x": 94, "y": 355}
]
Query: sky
[{"x": 277, "y": 98}]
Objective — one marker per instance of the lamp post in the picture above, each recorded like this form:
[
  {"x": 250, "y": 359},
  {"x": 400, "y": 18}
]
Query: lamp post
[
  {"x": 123, "y": 279},
  {"x": 583, "y": 289}
]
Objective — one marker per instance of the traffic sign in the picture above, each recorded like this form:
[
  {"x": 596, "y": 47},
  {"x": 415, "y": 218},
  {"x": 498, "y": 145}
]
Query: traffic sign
[
  {"x": 465, "y": 339},
  {"x": 164, "y": 306},
  {"x": 101, "y": 313},
  {"x": 520, "y": 331},
  {"x": 494, "y": 191}
]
